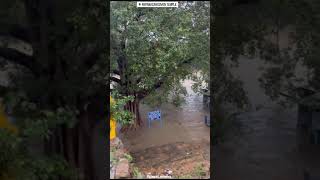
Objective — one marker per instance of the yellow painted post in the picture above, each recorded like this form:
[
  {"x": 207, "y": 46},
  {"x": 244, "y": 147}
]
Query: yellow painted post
[
  {"x": 4, "y": 122},
  {"x": 113, "y": 123},
  {"x": 112, "y": 129}
]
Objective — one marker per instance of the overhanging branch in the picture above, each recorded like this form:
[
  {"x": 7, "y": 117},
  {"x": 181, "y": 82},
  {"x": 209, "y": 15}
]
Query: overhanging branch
[
  {"x": 161, "y": 81},
  {"x": 115, "y": 79},
  {"x": 288, "y": 96},
  {"x": 19, "y": 58}
]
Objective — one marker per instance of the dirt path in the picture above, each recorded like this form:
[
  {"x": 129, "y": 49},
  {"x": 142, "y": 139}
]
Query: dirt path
[{"x": 181, "y": 158}]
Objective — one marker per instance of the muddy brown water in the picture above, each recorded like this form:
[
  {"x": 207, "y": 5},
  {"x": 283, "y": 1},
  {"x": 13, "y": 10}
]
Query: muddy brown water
[
  {"x": 180, "y": 124},
  {"x": 173, "y": 143},
  {"x": 267, "y": 148}
]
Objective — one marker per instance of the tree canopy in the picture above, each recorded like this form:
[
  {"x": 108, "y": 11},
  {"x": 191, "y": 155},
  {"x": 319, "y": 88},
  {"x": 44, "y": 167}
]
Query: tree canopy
[
  {"x": 56, "y": 91},
  {"x": 153, "y": 49},
  {"x": 253, "y": 29}
]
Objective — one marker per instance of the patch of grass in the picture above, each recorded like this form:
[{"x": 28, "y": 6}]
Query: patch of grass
[
  {"x": 113, "y": 149},
  {"x": 113, "y": 159},
  {"x": 199, "y": 170},
  {"x": 187, "y": 176},
  {"x": 128, "y": 157},
  {"x": 137, "y": 174}
]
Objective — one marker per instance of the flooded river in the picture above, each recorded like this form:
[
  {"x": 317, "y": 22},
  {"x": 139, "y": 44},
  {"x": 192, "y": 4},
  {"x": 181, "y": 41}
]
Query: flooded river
[
  {"x": 181, "y": 144},
  {"x": 180, "y": 124},
  {"x": 267, "y": 148}
]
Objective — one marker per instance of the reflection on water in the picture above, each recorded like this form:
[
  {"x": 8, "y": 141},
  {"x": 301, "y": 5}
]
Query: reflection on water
[
  {"x": 267, "y": 149},
  {"x": 194, "y": 101},
  {"x": 193, "y": 112}
]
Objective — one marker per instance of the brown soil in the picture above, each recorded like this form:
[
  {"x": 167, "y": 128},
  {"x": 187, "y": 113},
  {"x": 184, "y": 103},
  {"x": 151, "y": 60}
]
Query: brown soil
[{"x": 181, "y": 158}]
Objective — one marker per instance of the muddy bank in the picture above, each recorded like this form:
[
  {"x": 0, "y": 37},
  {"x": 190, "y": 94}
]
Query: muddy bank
[{"x": 182, "y": 159}]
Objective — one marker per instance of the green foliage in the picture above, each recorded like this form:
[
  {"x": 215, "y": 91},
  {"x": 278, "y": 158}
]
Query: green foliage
[
  {"x": 8, "y": 148},
  {"x": 162, "y": 46},
  {"x": 188, "y": 176},
  {"x": 128, "y": 157},
  {"x": 156, "y": 98},
  {"x": 254, "y": 29},
  {"x": 201, "y": 80},
  {"x": 177, "y": 100},
  {"x": 136, "y": 173},
  {"x": 288, "y": 66},
  {"x": 18, "y": 162},
  {"x": 117, "y": 112},
  {"x": 113, "y": 158},
  {"x": 63, "y": 73},
  {"x": 34, "y": 122},
  {"x": 199, "y": 171},
  {"x": 177, "y": 94}
]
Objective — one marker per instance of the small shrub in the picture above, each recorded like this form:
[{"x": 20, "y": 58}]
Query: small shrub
[
  {"x": 178, "y": 100},
  {"x": 199, "y": 170},
  {"x": 128, "y": 156},
  {"x": 136, "y": 173},
  {"x": 187, "y": 176},
  {"x": 113, "y": 159}
]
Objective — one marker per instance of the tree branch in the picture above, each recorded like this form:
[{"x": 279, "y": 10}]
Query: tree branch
[
  {"x": 143, "y": 93},
  {"x": 115, "y": 79},
  {"x": 159, "y": 83},
  {"x": 288, "y": 96},
  {"x": 19, "y": 58}
]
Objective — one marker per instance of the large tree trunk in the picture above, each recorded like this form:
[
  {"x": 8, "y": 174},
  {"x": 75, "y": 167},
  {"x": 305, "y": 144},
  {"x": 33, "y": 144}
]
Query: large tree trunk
[
  {"x": 70, "y": 150},
  {"x": 134, "y": 108},
  {"x": 86, "y": 164},
  {"x": 137, "y": 111},
  {"x": 76, "y": 144}
]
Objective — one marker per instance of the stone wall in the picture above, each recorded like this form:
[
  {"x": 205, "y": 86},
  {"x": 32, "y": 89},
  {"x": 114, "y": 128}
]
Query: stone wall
[{"x": 119, "y": 163}]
